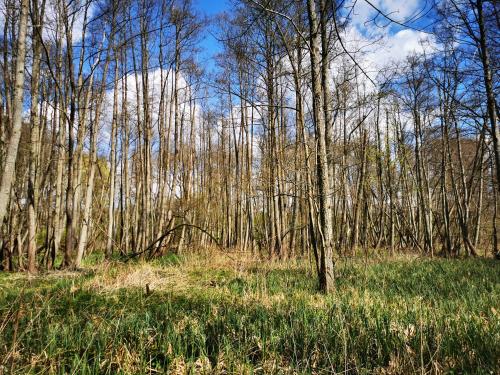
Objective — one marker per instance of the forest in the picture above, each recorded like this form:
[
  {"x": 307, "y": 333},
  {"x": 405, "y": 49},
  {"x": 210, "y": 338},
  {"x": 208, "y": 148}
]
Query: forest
[{"x": 249, "y": 186}]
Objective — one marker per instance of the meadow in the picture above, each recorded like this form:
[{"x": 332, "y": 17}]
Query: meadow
[{"x": 212, "y": 314}]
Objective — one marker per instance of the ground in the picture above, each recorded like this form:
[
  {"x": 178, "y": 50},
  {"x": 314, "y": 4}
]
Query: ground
[{"x": 211, "y": 313}]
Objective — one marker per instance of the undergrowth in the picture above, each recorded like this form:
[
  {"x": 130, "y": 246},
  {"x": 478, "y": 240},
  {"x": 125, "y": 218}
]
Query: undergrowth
[{"x": 216, "y": 314}]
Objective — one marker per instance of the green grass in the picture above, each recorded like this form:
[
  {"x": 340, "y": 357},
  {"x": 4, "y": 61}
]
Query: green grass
[{"x": 210, "y": 314}]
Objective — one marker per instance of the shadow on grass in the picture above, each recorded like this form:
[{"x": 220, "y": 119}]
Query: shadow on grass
[
  {"x": 434, "y": 279},
  {"x": 68, "y": 328}
]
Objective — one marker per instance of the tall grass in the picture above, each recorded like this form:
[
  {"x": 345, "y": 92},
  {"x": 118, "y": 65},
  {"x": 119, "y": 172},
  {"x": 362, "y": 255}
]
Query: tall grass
[{"x": 216, "y": 315}]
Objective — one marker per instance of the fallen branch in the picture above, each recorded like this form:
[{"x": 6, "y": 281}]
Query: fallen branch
[{"x": 160, "y": 239}]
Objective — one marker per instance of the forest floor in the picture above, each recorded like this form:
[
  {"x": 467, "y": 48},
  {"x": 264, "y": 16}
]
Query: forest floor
[{"x": 213, "y": 314}]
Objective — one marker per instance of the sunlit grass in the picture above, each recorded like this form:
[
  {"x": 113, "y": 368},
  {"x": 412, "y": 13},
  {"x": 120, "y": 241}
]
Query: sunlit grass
[{"x": 212, "y": 313}]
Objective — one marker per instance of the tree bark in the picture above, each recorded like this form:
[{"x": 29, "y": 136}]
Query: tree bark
[
  {"x": 12, "y": 147},
  {"x": 326, "y": 277}
]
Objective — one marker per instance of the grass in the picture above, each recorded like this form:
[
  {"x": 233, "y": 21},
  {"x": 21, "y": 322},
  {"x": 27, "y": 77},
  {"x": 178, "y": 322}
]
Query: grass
[{"x": 212, "y": 314}]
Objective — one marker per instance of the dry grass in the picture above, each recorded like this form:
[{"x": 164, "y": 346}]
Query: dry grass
[
  {"x": 112, "y": 276},
  {"x": 138, "y": 276},
  {"x": 218, "y": 313}
]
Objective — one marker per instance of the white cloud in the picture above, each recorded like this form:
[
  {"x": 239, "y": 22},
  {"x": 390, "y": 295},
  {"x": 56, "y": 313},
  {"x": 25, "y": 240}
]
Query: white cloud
[
  {"x": 376, "y": 48},
  {"x": 155, "y": 87},
  {"x": 365, "y": 16},
  {"x": 51, "y": 15},
  {"x": 397, "y": 47},
  {"x": 77, "y": 16}
]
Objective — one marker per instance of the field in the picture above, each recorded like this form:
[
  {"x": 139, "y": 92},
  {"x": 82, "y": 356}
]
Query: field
[{"x": 211, "y": 314}]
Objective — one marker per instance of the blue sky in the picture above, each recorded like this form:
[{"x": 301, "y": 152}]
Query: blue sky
[
  {"x": 211, "y": 6},
  {"x": 398, "y": 41},
  {"x": 209, "y": 44}
]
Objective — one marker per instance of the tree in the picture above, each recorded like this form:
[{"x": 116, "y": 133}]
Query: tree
[{"x": 13, "y": 143}]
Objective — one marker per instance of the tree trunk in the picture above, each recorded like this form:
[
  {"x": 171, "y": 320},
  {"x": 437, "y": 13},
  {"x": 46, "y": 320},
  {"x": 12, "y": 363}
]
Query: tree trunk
[
  {"x": 326, "y": 277},
  {"x": 12, "y": 147},
  {"x": 488, "y": 83}
]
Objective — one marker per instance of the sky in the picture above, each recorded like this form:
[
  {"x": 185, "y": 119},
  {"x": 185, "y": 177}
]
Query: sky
[
  {"x": 210, "y": 45},
  {"x": 211, "y": 6},
  {"x": 397, "y": 42}
]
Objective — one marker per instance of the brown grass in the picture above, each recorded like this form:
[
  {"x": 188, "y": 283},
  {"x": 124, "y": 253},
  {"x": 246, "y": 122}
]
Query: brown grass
[{"x": 138, "y": 276}]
